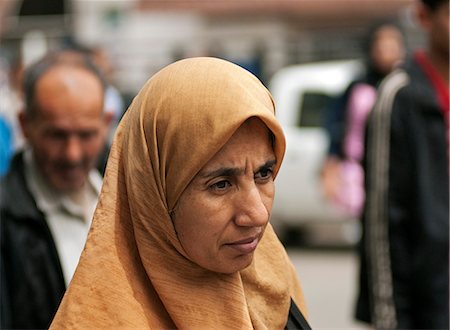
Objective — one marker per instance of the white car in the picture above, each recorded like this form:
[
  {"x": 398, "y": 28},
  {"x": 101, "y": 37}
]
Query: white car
[{"x": 302, "y": 94}]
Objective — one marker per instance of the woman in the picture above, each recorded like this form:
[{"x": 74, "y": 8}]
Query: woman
[
  {"x": 177, "y": 238},
  {"x": 342, "y": 173}
]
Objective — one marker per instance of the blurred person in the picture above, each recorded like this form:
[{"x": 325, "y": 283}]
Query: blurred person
[
  {"x": 114, "y": 102},
  {"x": 342, "y": 173},
  {"x": 50, "y": 192},
  {"x": 113, "y": 99},
  {"x": 6, "y": 145},
  {"x": 7, "y": 111},
  {"x": 11, "y": 103},
  {"x": 181, "y": 237},
  {"x": 404, "y": 280}
]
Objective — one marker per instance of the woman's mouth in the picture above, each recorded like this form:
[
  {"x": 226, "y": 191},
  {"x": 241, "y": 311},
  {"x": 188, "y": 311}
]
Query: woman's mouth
[{"x": 245, "y": 246}]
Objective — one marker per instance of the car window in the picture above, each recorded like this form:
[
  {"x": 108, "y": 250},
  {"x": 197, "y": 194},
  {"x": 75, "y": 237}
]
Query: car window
[{"x": 312, "y": 110}]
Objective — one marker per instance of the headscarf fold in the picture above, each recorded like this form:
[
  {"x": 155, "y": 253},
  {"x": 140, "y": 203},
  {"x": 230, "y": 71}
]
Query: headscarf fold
[{"x": 133, "y": 272}]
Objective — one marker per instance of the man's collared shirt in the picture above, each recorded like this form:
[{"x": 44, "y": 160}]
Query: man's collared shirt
[{"x": 68, "y": 218}]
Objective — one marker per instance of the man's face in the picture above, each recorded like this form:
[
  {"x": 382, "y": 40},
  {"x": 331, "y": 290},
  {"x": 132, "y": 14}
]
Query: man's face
[
  {"x": 439, "y": 29},
  {"x": 67, "y": 129},
  {"x": 436, "y": 24}
]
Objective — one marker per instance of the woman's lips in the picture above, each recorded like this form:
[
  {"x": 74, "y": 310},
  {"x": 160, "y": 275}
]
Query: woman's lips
[{"x": 245, "y": 246}]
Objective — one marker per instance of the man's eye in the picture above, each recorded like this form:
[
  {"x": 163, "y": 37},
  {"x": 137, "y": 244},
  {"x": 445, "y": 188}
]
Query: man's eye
[
  {"x": 87, "y": 135},
  {"x": 56, "y": 135},
  {"x": 221, "y": 185}
]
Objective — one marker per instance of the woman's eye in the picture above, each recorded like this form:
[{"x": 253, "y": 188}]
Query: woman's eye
[
  {"x": 221, "y": 185},
  {"x": 264, "y": 174}
]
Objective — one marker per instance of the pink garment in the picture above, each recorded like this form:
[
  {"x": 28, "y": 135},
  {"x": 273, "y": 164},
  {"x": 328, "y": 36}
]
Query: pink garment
[
  {"x": 352, "y": 195},
  {"x": 360, "y": 104}
]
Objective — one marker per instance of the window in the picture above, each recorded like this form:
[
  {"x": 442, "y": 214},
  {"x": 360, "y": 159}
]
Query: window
[{"x": 313, "y": 109}]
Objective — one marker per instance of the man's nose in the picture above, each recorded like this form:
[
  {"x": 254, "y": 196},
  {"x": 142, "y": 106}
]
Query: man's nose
[
  {"x": 250, "y": 208},
  {"x": 73, "y": 149}
]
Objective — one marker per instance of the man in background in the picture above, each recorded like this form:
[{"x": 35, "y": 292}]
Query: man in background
[
  {"x": 50, "y": 192},
  {"x": 405, "y": 246}
]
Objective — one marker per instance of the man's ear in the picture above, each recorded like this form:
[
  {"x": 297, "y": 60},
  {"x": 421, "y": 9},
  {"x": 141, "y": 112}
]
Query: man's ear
[
  {"x": 108, "y": 118},
  {"x": 24, "y": 123}
]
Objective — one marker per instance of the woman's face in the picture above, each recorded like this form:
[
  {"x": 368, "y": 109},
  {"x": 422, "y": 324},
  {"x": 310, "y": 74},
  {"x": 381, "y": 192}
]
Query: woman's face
[
  {"x": 221, "y": 216},
  {"x": 387, "y": 48}
]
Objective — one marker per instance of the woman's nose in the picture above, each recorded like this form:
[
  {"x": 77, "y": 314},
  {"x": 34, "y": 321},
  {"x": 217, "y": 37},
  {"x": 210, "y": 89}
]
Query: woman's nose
[{"x": 250, "y": 208}]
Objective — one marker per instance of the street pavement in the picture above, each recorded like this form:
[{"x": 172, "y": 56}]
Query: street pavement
[{"x": 329, "y": 282}]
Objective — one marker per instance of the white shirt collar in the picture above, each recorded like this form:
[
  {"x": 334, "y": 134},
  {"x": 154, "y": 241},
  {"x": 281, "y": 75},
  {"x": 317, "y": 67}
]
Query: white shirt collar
[{"x": 49, "y": 200}]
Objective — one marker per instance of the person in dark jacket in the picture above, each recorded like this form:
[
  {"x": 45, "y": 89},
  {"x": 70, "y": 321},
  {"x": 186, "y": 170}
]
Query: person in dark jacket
[
  {"x": 405, "y": 247},
  {"x": 51, "y": 190}
]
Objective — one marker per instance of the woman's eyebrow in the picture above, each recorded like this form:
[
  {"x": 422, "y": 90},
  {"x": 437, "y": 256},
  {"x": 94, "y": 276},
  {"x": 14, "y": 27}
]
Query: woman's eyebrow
[
  {"x": 222, "y": 171},
  {"x": 234, "y": 171},
  {"x": 269, "y": 164}
]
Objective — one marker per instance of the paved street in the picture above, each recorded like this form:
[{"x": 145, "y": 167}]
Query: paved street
[{"x": 329, "y": 281}]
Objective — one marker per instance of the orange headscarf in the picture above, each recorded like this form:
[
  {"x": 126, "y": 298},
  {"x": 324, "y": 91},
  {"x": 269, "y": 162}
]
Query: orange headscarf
[{"x": 133, "y": 272}]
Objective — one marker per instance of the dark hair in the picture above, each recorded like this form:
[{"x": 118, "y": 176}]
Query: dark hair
[
  {"x": 373, "y": 74},
  {"x": 70, "y": 58},
  {"x": 433, "y": 4},
  {"x": 374, "y": 28}
]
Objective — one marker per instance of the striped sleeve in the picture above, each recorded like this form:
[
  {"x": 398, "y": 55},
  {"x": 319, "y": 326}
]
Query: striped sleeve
[{"x": 376, "y": 227}]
